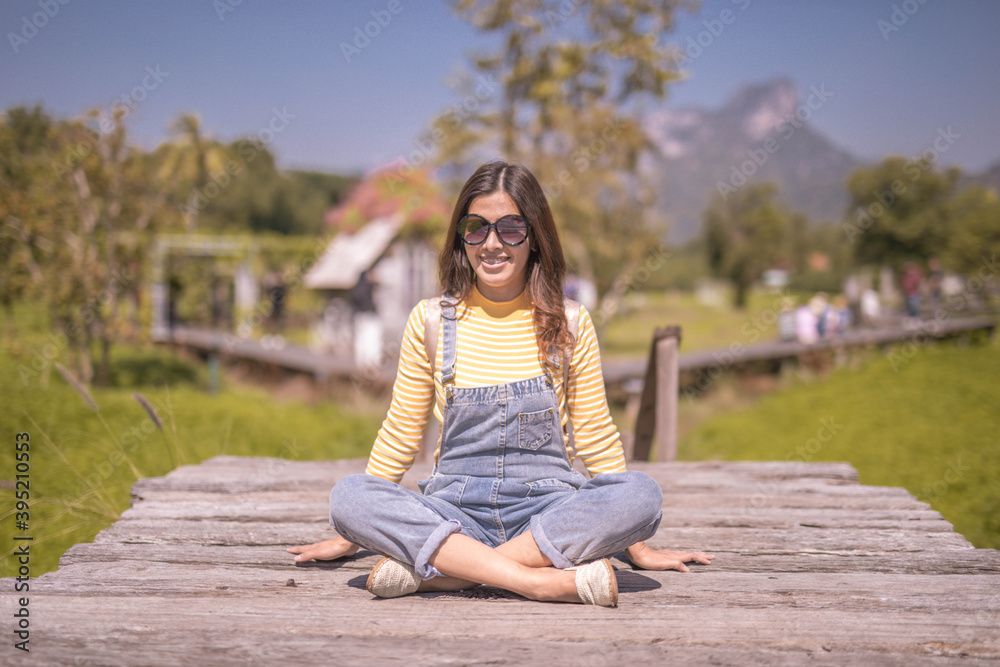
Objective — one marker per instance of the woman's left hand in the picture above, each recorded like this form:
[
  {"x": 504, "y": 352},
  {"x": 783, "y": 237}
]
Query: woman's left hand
[{"x": 663, "y": 559}]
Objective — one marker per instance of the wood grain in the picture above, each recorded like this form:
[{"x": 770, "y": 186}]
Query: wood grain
[{"x": 812, "y": 567}]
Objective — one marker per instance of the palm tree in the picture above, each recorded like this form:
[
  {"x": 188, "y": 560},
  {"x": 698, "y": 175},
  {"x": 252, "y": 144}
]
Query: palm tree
[{"x": 192, "y": 161}]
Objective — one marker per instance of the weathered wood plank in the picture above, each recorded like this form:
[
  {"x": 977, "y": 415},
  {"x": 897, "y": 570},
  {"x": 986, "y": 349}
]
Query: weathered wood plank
[
  {"x": 176, "y": 648},
  {"x": 704, "y": 538},
  {"x": 235, "y": 474},
  {"x": 740, "y": 503},
  {"x": 746, "y": 517},
  {"x": 677, "y": 619},
  {"x": 951, "y": 561},
  {"x": 856, "y": 593},
  {"x": 811, "y": 566}
]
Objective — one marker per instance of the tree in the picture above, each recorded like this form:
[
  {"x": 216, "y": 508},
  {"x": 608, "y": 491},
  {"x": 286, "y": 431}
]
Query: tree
[
  {"x": 898, "y": 211},
  {"x": 195, "y": 164},
  {"x": 26, "y": 140},
  {"x": 82, "y": 203},
  {"x": 746, "y": 233},
  {"x": 974, "y": 231},
  {"x": 563, "y": 94}
]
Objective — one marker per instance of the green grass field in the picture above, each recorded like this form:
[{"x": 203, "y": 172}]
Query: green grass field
[
  {"x": 83, "y": 463},
  {"x": 703, "y": 327},
  {"x": 932, "y": 427}
]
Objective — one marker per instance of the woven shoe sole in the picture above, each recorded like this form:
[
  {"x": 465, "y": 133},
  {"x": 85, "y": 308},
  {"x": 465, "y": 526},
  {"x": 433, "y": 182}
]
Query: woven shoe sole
[
  {"x": 596, "y": 583},
  {"x": 391, "y": 579}
]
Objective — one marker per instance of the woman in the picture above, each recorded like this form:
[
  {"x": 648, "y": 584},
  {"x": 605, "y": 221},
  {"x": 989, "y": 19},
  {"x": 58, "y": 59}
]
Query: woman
[{"x": 503, "y": 506}]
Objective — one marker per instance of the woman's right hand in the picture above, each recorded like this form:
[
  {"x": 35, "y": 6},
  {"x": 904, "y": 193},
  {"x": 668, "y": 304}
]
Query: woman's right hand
[{"x": 332, "y": 549}]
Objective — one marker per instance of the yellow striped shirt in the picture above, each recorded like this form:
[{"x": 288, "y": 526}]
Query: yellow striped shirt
[{"x": 496, "y": 344}]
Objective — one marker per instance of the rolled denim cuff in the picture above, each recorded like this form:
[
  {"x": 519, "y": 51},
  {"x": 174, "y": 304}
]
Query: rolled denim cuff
[
  {"x": 546, "y": 547},
  {"x": 421, "y": 567}
]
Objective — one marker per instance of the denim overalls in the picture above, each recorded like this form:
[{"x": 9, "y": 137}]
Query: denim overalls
[{"x": 502, "y": 469}]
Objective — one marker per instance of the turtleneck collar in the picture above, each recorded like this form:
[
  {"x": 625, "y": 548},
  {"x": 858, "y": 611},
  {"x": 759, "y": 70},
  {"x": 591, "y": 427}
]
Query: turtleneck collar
[{"x": 499, "y": 309}]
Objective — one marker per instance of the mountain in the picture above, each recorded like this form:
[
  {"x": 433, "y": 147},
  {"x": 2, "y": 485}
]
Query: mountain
[
  {"x": 988, "y": 179},
  {"x": 761, "y": 134}
]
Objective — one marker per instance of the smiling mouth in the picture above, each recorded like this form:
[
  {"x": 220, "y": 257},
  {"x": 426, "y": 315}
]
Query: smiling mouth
[{"x": 493, "y": 261}]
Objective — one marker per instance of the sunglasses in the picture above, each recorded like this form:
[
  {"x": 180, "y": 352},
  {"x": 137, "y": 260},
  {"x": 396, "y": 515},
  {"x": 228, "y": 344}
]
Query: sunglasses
[{"x": 474, "y": 229}]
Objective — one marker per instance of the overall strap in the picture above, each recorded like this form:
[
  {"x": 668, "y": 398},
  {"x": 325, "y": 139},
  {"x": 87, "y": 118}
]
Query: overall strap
[
  {"x": 432, "y": 324},
  {"x": 450, "y": 339},
  {"x": 438, "y": 309}
]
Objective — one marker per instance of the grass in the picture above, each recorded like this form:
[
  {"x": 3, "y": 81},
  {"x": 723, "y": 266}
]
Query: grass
[
  {"x": 704, "y": 326},
  {"x": 83, "y": 462},
  {"x": 931, "y": 427}
]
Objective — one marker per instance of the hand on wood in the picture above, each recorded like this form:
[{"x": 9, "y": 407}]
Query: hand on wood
[
  {"x": 663, "y": 559},
  {"x": 331, "y": 549}
]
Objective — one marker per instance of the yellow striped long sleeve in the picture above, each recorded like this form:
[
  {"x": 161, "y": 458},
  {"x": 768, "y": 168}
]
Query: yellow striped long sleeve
[{"x": 496, "y": 344}]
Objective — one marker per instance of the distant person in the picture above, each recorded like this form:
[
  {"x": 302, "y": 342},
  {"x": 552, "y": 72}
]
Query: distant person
[
  {"x": 174, "y": 290},
  {"x": 511, "y": 359},
  {"x": 786, "y": 321},
  {"x": 838, "y": 317},
  {"x": 820, "y": 307},
  {"x": 871, "y": 307},
  {"x": 935, "y": 280},
  {"x": 911, "y": 283},
  {"x": 805, "y": 325},
  {"x": 367, "y": 324},
  {"x": 274, "y": 285},
  {"x": 852, "y": 293}
]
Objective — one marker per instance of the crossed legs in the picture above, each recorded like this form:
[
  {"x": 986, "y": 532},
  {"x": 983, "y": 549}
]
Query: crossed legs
[
  {"x": 606, "y": 515},
  {"x": 517, "y": 565}
]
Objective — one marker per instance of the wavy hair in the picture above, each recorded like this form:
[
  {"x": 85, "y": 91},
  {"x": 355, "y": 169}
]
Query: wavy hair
[{"x": 546, "y": 263}]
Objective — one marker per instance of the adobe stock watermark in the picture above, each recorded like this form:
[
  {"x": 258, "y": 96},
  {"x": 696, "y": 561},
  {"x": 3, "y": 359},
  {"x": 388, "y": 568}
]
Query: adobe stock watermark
[
  {"x": 121, "y": 108},
  {"x": 927, "y": 330},
  {"x": 563, "y": 12},
  {"x": 265, "y": 307},
  {"x": 631, "y": 280},
  {"x": 803, "y": 453},
  {"x": 372, "y": 29},
  {"x": 248, "y": 150},
  {"x": 42, "y": 359},
  {"x": 751, "y": 330},
  {"x": 757, "y": 157},
  {"x": 914, "y": 168},
  {"x": 584, "y": 155},
  {"x": 223, "y": 7},
  {"x": 37, "y": 21},
  {"x": 263, "y": 477},
  {"x": 457, "y": 114},
  {"x": 954, "y": 474},
  {"x": 128, "y": 442},
  {"x": 696, "y": 45},
  {"x": 901, "y": 13}
]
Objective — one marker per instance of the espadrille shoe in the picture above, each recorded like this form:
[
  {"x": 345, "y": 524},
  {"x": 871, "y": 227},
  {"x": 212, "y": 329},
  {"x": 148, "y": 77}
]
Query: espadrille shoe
[
  {"x": 391, "y": 579},
  {"x": 596, "y": 583}
]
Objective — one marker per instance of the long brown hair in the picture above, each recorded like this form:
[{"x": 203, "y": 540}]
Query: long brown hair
[{"x": 546, "y": 264}]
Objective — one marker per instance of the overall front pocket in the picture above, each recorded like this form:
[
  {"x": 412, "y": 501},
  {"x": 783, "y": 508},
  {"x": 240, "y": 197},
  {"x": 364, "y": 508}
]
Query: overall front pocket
[
  {"x": 447, "y": 487},
  {"x": 544, "y": 487},
  {"x": 534, "y": 429}
]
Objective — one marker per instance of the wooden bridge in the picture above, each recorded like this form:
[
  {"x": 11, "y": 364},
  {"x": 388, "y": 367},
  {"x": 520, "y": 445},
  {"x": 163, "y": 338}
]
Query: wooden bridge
[
  {"x": 300, "y": 359},
  {"x": 812, "y": 567}
]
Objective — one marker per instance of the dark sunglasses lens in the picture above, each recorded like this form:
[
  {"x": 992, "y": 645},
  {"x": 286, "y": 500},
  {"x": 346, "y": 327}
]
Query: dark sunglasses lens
[
  {"x": 474, "y": 230},
  {"x": 512, "y": 229}
]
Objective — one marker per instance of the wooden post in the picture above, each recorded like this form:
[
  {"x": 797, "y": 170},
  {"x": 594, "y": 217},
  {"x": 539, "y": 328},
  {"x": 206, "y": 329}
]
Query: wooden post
[{"x": 658, "y": 405}]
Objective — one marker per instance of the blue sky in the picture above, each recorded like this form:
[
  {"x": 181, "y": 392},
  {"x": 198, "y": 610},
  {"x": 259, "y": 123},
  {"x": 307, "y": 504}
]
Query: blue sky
[{"x": 891, "y": 89}]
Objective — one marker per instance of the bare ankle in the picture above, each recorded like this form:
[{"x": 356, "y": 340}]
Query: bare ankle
[
  {"x": 445, "y": 585},
  {"x": 556, "y": 586}
]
